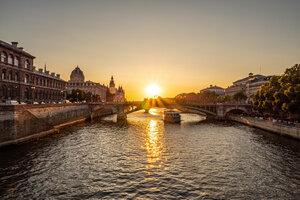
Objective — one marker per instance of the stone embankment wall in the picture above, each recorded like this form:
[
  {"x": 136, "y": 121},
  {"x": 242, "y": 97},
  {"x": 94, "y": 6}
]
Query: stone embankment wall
[
  {"x": 290, "y": 131},
  {"x": 19, "y": 123}
]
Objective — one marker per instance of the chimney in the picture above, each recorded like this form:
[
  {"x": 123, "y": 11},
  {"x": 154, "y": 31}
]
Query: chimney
[
  {"x": 15, "y": 44},
  {"x": 21, "y": 48},
  {"x": 47, "y": 72},
  {"x": 40, "y": 69},
  {"x": 52, "y": 74},
  {"x": 33, "y": 68},
  {"x": 58, "y": 75}
]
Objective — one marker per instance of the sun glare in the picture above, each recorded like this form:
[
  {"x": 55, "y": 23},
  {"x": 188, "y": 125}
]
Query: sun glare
[{"x": 153, "y": 90}]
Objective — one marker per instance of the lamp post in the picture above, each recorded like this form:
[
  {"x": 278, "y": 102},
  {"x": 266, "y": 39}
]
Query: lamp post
[{"x": 77, "y": 95}]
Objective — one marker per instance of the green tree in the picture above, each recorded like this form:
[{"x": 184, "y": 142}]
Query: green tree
[
  {"x": 208, "y": 97},
  {"x": 281, "y": 95},
  {"x": 77, "y": 95},
  {"x": 290, "y": 88},
  {"x": 225, "y": 98},
  {"x": 89, "y": 97},
  {"x": 239, "y": 96}
]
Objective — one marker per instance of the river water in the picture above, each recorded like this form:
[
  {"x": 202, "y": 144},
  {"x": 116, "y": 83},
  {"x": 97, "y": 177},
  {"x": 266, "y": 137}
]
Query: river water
[{"x": 147, "y": 159}]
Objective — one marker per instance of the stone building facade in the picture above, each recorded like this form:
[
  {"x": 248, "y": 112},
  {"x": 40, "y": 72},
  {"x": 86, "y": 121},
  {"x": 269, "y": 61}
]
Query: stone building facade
[
  {"x": 218, "y": 90},
  {"x": 77, "y": 82},
  {"x": 115, "y": 94},
  {"x": 21, "y": 81},
  {"x": 249, "y": 85}
]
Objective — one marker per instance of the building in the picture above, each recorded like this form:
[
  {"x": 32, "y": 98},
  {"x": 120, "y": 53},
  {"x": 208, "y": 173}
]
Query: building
[
  {"x": 218, "y": 90},
  {"x": 115, "y": 94},
  {"x": 187, "y": 97},
  {"x": 249, "y": 85},
  {"x": 22, "y": 82},
  {"x": 77, "y": 82}
]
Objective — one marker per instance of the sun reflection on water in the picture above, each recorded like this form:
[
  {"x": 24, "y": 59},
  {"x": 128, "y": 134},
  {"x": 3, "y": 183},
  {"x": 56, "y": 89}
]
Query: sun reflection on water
[
  {"x": 154, "y": 111},
  {"x": 153, "y": 144}
]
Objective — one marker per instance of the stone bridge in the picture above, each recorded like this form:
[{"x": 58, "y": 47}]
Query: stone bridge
[
  {"x": 99, "y": 110},
  {"x": 219, "y": 110}
]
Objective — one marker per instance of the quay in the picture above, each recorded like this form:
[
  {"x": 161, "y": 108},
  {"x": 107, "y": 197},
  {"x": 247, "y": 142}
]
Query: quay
[
  {"x": 290, "y": 131},
  {"x": 19, "y": 123}
]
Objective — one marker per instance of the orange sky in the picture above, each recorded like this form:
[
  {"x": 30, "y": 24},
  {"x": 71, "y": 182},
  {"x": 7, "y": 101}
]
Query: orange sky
[{"x": 182, "y": 46}]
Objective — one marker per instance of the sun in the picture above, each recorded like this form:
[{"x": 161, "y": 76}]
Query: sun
[{"x": 153, "y": 90}]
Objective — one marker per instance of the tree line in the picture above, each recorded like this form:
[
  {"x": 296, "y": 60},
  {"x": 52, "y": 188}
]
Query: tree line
[
  {"x": 79, "y": 95},
  {"x": 280, "y": 97},
  {"x": 210, "y": 97}
]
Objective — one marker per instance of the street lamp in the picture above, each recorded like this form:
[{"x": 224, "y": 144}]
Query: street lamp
[{"x": 77, "y": 95}]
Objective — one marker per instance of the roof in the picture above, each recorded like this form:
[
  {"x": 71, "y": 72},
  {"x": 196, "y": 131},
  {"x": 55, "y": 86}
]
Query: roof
[
  {"x": 15, "y": 49},
  {"x": 214, "y": 87},
  {"x": 249, "y": 77},
  {"x": 47, "y": 75}
]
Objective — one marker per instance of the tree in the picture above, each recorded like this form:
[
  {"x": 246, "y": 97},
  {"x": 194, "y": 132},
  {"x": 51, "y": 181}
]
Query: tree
[
  {"x": 290, "y": 88},
  {"x": 281, "y": 95},
  {"x": 208, "y": 97},
  {"x": 89, "y": 97},
  {"x": 76, "y": 95},
  {"x": 225, "y": 98},
  {"x": 239, "y": 96}
]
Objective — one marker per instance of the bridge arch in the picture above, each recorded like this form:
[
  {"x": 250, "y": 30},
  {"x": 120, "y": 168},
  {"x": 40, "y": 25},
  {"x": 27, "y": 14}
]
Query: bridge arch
[{"x": 238, "y": 110}]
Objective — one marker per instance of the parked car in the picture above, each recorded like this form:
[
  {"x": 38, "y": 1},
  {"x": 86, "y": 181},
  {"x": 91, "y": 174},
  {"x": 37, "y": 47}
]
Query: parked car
[
  {"x": 11, "y": 102},
  {"x": 66, "y": 101},
  {"x": 23, "y": 103},
  {"x": 42, "y": 102},
  {"x": 35, "y": 102}
]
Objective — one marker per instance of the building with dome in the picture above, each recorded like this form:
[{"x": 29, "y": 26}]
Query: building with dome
[{"x": 77, "y": 82}]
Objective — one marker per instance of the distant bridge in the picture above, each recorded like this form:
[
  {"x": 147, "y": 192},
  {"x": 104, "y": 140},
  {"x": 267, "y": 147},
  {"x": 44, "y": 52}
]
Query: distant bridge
[{"x": 217, "y": 110}]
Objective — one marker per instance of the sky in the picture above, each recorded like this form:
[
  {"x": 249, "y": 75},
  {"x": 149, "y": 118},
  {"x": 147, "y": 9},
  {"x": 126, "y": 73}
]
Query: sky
[{"x": 182, "y": 46}]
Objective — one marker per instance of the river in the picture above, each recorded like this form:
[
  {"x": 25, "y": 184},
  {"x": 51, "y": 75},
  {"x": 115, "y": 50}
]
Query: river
[{"x": 147, "y": 159}]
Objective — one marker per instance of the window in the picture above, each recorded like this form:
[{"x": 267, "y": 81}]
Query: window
[
  {"x": 3, "y": 56},
  {"x": 3, "y": 74},
  {"x": 26, "y": 78},
  {"x": 10, "y": 59},
  {"x": 9, "y": 76},
  {"x": 27, "y": 64},
  {"x": 16, "y": 77},
  {"x": 16, "y": 61}
]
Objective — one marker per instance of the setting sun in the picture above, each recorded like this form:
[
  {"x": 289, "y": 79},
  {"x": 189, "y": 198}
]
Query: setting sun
[{"x": 153, "y": 90}]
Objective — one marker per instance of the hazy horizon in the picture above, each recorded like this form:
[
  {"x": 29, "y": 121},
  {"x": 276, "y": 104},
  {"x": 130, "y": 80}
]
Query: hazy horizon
[{"x": 182, "y": 46}]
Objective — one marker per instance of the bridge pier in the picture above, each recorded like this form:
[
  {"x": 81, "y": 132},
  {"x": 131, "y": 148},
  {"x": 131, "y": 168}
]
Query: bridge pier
[
  {"x": 220, "y": 112},
  {"x": 121, "y": 115}
]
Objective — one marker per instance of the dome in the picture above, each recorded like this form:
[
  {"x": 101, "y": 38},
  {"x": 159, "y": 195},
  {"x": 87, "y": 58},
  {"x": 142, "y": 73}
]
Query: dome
[{"x": 77, "y": 75}]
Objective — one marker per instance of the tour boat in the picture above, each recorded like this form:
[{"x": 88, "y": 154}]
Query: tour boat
[{"x": 171, "y": 116}]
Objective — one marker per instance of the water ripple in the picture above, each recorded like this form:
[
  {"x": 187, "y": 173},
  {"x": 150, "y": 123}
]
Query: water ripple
[{"x": 147, "y": 159}]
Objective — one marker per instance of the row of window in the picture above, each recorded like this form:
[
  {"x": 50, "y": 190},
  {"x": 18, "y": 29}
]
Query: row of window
[
  {"x": 38, "y": 81},
  {"x": 13, "y": 60},
  {"x": 12, "y": 93},
  {"x": 82, "y": 84}
]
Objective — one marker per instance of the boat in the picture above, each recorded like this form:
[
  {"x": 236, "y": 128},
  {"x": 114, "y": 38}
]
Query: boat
[{"x": 171, "y": 116}]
